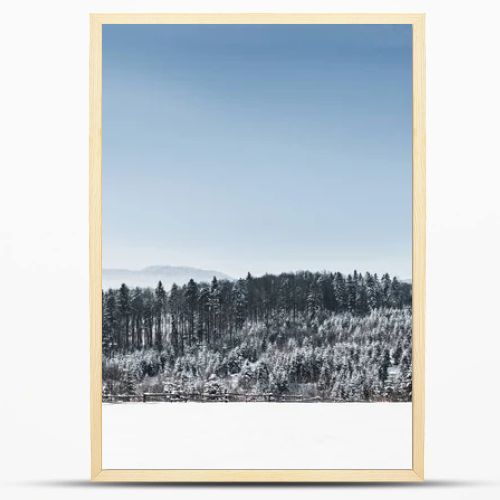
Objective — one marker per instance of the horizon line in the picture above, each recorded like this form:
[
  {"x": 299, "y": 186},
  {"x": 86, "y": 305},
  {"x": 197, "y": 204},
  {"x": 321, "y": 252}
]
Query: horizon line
[{"x": 230, "y": 276}]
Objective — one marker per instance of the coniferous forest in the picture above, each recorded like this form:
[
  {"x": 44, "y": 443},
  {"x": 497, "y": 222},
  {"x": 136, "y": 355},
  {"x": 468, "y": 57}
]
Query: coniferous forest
[{"x": 300, "y": 336}]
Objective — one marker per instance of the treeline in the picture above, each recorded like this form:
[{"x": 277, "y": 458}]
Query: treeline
[
  {"x": 213, "y": 314},
  {"x": 329, "y": 357}
]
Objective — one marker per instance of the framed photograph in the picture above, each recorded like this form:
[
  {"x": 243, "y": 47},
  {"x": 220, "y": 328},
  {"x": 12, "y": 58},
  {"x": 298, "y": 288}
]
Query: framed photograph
[{"x": 257, "y": 247}]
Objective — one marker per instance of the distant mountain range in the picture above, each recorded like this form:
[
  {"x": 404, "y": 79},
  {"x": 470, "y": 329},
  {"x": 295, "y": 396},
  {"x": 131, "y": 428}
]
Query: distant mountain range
[
  {"x": 168, "y": 275},
  {"x": 149, "y": 276}
]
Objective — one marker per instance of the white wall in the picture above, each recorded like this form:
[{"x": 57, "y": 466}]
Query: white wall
[{"x": 43, "y": 238}]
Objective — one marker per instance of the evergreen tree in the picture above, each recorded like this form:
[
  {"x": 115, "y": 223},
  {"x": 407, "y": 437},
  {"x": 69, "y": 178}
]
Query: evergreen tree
[
  {"x": 340, "y": 292},
  {"x": 191, "y": 296},
  {"x": 351, "y": 293},
  {"x": 203, "y": 312},
  {"x": 214, "y": 307},
  {"x": 124, "y": 314},
  {"x": 138, "y": 314},
  {"x": 386, "y": 289},
  {"x": 159, "y": 308},
  {"x": 176, "y": 339},
  {"x": 110, "y": 329},
  {"x": 362, "y": 306}
]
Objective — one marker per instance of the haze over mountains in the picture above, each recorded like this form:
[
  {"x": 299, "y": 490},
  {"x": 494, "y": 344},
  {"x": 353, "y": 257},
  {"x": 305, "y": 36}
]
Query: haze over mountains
[
  {"x": 149, "y": 276},
  {"x": 168, "y": 275}
]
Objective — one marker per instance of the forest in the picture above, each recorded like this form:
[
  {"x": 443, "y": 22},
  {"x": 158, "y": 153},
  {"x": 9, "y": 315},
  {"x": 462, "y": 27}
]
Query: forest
[{"x": 303, "y": 336}]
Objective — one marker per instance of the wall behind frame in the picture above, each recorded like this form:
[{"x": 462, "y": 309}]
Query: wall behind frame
[{"x": 43, "y": 238}]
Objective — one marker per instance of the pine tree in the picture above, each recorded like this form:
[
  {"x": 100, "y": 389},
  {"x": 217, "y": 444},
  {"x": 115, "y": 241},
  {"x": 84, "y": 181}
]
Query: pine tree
[
  {"x": 137, "y": 306},
  {"x": 395, "y": 293},
  {"x": 340, "y": 292},
  {"x": 124, "y": 316},
  {"x": 362, "y": 307},
  {"x": 240, "y": 305},
  {"x": 110, "y": 329},
  {"x": 214, "y": 307},
  {"x": 191, "y": 296},
  {"x": 203, "y": 312},
  {"x": 351, "y": 293},
  {"x": 176, "y": 339},
  {"x": 386, "y": 289},
  {"x": 159, "y": 309}
]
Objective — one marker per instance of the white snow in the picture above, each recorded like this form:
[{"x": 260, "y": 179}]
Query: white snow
[{"x": 257, "y": 435}]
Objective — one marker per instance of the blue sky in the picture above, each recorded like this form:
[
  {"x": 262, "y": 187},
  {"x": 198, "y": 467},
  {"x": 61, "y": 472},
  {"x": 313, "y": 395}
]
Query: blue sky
[{"x": 261, "y": 148}]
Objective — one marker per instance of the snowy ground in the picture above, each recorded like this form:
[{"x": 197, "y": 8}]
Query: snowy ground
[{"x": 257, "y": 435}]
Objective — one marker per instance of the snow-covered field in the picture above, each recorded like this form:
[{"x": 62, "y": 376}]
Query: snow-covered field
[{"x": 257, "y": 435}]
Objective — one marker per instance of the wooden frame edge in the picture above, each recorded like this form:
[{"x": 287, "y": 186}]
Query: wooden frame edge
[
  {"x": 98, "y": 474},
  {"x": 255, "y": 18},
  {"x": 257, "y": 475},
  {"x": 419, "y": 246},
  {"x": 95, "y": 257}
]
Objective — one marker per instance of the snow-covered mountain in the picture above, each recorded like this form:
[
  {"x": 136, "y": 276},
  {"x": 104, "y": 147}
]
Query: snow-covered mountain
[{"x": 149, "y": 276}]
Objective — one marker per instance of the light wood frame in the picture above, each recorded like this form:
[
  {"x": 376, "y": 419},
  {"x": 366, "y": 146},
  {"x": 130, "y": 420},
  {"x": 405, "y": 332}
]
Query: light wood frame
[{"x": 416, "y": 473}]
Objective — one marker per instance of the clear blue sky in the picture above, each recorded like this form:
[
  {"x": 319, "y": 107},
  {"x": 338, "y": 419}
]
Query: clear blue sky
[{"x": 261, "y": 148}]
